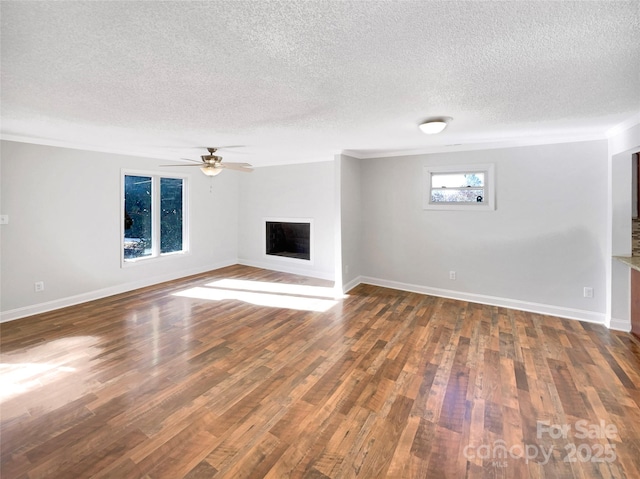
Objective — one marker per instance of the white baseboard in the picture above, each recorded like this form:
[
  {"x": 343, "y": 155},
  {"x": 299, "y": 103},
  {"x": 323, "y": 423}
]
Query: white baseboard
[
  {"x": 539, "y": 308},
  {"x": 620, "y": 325},
  {"x": 351, "y": 284},
  {"x": 18, "y": 313},
  {"x": 286, "y": 268}
]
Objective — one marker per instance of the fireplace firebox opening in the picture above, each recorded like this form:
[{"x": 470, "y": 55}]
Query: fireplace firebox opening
[{"x": 288, "y": 239}]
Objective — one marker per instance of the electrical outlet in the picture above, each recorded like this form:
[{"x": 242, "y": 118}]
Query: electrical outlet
[
  {"x": 588, "y": 292},
  {"x": 38, "y": 286},
  {"x": 452, "y": 275},
  {"x": 4, "y": 219}
]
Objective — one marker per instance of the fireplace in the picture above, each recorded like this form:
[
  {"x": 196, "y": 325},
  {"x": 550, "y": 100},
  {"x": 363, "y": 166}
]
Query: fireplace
[{"x": 288, "y": 239}]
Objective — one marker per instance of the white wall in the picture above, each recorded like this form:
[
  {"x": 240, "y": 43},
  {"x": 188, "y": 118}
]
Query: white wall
[
  {"x": 542, "y": 245},
  {"x": 64, "y": 227},
  {"x": 621, "y": 198},
  {"x": 552, "y": 233},
  {"x": 621, "y": 148},
  {"x": 634, "y": 189},
  {"x": 350, "y": 217},
  {"x": 291, "y": 191}
]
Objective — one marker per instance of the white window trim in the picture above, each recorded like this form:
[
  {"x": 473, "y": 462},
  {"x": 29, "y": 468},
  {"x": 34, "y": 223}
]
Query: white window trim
[
  {"x": 285, "y": 259},
  {"x": 155, "y": 202},
  {"x": 490, "y": 191}
]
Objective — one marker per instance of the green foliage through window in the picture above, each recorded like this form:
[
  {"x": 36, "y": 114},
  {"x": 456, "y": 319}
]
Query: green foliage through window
[{"x": 170, "y": 215}]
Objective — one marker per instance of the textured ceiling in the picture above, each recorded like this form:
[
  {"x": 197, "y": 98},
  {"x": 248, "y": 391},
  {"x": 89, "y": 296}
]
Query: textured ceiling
[{"x": 300, "y": 81}]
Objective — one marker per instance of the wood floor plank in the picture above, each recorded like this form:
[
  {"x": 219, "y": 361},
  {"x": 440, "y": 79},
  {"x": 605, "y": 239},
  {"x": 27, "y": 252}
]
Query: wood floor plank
[{"x": 155, "y": 384}]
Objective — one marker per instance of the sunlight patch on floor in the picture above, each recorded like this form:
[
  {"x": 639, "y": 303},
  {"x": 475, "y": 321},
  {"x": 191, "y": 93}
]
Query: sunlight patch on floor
[
  {"x": 286, "y": 301},
  {"x": 18, "y": 378},
  {"x": 278, "y": 288},
  {"x": 19, "y": 373}
]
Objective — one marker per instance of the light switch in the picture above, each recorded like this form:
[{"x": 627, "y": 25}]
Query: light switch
[{"x": 4, "y": 219}]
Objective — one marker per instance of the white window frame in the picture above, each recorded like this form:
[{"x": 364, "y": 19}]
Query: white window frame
[
  {"x": 155, "y": 219},
  {"x": 489, "y": 187},
  {"x": 285, "y": 259}
]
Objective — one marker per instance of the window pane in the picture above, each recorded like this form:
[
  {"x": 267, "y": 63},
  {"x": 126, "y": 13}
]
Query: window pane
[
  {"x": 137, "y": 216},
  {"x": 471, "y": 195},
  {"x": 170, "y": 215},
  {"x": 457, "y": 180}
]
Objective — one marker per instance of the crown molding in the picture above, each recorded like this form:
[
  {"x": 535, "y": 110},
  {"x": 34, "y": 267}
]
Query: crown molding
[
  {"x": 625, "y": 125},
  {"x": 143, "y": 153},
  {"x": 487, "y": 144},
  {"x": 474, "y": 146},
  {"x": 138, "y": 153}
]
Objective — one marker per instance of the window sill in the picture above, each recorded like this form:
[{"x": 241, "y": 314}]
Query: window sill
[
  {"x": 459, "y": 207},
  {"x": 126, "y": 263}
]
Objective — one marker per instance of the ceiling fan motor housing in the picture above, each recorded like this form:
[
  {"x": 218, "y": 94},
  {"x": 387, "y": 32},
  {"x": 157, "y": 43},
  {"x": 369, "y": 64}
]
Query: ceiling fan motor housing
[{"x": 211, "y": 159}]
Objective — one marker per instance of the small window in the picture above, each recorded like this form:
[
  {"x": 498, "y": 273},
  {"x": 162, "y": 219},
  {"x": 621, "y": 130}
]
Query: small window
[
  {"x": 459, "y": 187},
  {"x": 153, "y": 216}
]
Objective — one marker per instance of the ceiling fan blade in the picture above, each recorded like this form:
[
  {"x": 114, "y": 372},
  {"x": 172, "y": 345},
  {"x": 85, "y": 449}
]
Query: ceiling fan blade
[
  {"x": 231, "y": 166},
  {"x": 199, "y": 164},
  {"x": 244, "y": 165}
]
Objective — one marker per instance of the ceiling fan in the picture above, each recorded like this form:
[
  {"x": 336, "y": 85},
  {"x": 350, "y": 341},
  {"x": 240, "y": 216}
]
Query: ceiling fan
[{"x": 212, "y": 164}]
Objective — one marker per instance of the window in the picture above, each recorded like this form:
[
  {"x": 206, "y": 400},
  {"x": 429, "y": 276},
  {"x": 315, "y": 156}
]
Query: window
[
  {"x": 154, "y": 219},
  {"x": 459, "y": 187}
]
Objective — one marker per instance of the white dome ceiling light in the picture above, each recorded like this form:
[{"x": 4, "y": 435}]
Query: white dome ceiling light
[
  {"x": 211, "y": 170},
  {"x": 434, "y": 125}
]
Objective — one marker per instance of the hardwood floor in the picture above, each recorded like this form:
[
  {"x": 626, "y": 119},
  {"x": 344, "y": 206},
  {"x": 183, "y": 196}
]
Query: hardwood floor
[{"x": 246, "y": 373}]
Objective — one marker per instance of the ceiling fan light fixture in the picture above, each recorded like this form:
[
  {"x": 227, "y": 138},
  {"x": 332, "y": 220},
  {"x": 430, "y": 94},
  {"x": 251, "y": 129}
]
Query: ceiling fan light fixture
[
  {"x": 434, "y": 125},
  {"x": 212, "y": 165},
  {"x": 211, "y": 170}
]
